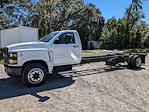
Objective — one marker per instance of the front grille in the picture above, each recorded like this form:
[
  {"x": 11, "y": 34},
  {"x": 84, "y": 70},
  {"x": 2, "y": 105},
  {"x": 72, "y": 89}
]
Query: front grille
[{"x": 5, "y": 55}]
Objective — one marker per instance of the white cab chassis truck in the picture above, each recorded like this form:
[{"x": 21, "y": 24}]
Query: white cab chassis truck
[{"x": 56, "y": 52}]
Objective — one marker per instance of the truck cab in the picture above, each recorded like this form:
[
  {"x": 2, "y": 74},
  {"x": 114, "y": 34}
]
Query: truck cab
[{"x": 33, "y": 61}]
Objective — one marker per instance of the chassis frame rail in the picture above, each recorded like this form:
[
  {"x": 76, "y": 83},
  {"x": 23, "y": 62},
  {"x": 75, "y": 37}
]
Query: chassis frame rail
[{"x": 113, "y": 59}]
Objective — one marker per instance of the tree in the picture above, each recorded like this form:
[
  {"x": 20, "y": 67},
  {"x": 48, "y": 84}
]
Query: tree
[
  {"x": 13, "y": 13},
  {"x": 55, "y": 14},
  {"x": 110, "y": 35},
  {"x": 127, "y": 32},
  {"x": 133, "y": 16},
  {"x": 68, "y": 14}
]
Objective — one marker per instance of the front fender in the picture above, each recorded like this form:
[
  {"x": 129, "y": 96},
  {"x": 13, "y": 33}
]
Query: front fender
[{"x": 33, "y": 54}]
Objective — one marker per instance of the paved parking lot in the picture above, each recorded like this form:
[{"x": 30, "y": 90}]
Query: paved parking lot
[{"x": 91, "y": 88}]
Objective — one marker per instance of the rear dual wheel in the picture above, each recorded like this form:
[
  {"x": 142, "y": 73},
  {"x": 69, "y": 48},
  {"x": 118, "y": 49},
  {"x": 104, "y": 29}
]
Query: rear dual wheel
[
  {"x": 129, "y": 60},
  {"x": 134, "y": 61}
]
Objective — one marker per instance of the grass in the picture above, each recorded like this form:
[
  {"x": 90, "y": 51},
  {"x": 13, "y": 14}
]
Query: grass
[
  {"x": 88, "y": 53},
  {"x": 1, "y": 61},
  {"x": 145, "y": 50}
]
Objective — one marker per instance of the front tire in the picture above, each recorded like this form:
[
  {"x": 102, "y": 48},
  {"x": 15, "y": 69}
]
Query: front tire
[{"x": 34, "y": 74}]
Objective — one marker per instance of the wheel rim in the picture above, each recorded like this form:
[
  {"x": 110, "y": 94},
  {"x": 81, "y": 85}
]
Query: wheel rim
[
  {"x": 138, "y": 62},
  {"x": 35, "y": 75}
]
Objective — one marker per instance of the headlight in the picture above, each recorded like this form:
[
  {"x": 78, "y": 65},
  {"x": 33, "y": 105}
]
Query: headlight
[{"x": 13, "y": 58}]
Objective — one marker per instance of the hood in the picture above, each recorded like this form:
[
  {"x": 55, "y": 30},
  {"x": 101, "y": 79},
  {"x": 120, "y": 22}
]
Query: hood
[{"x": 27, "y": 45}]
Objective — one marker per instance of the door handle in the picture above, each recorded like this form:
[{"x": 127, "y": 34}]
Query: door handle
[{"x": 76, "y": 46}]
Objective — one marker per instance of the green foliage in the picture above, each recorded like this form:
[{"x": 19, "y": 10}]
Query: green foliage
[
  {"x": 60, "y": 15},
  {"x": 128, "y": 32},
  {"x": 14, "y": 13}
]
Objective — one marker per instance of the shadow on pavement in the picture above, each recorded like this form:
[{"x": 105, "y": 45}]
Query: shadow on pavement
[
  {"x": 97, "y": 71},
  {"x": 13, "y": 87}
]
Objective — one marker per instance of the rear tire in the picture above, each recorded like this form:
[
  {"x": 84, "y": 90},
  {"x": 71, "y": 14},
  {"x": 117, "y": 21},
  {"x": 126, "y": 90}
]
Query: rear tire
[
  {"x": 129, "y": 61},
  {"x": 34, "y": 74},
  {"x": 136, "y": 61}
]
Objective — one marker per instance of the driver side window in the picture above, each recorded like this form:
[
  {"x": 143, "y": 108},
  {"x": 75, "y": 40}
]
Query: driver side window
[
  {"x": 66, "y": 38},
  {"x": 60, "y": 40}
]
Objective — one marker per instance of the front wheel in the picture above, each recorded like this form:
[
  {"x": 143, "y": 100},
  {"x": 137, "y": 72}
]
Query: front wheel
[{"x": 34, "y": 74}]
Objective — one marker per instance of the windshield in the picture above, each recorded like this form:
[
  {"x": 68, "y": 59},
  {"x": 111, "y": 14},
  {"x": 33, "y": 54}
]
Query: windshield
[{"x": 48, "y": 37}]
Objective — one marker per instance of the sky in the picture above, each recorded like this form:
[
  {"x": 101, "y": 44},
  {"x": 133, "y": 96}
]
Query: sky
[{"x": 117, "y": 8}]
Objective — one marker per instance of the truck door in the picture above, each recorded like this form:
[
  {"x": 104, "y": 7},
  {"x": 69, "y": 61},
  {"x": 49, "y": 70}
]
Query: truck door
[{"x": 66, "y": 50}]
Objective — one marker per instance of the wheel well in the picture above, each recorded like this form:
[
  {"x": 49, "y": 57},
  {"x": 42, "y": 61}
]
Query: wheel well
[{"x": 35, "y": 61}]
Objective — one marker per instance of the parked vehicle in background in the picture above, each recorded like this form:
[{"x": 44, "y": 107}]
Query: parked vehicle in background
[
  {"x": 56, "y": 52},
  {"x": 18, "y": 35}
]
